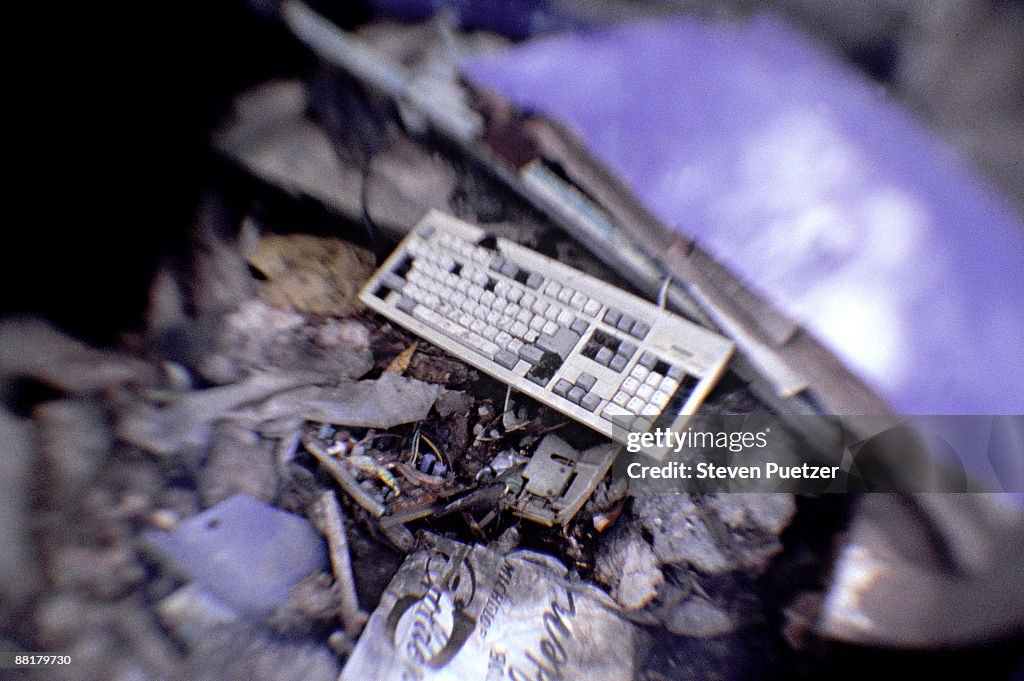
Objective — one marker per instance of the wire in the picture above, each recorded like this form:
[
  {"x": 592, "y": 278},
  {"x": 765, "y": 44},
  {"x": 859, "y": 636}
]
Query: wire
[{"x": 663, "y": 292}]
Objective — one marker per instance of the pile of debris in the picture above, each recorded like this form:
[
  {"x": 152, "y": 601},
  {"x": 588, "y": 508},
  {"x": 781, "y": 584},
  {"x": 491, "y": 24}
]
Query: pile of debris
[
  {"x": 272, "y": 483},
  {"x": 181, "y": 480}
]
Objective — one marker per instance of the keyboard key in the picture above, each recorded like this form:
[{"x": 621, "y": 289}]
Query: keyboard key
[
  {"x": 590, "y": 402},
  {"x": 621, "y": 398},
  {"x": 644, "y": 392},
  {"x": 580, "y": 326},
  {"x": 531, "y": 353},
  {"x": 392, "y": 281},
  {"x": 634, "y": 405},
  {"x": 603, "y": 356},
  {"x": 630, "y": 385},
  {"x": 406, "y": 304},
  {"x": 509, "y": 270},
  {"x": 640, "y": 330},
  {"x": 612, "y": 317},
  {"x": 534, "y": 280},
  {"x": 578, "y": 300},
  {"x": 592, "y": 307},
  {"x": 625, "y": 323},
  {"x": 561, "y": 342},
  {"x": 618, "y": 363},
  {"x": 506, "y": 359},
  {"x": 575, "y": 394},
  {"x": 647, "y": 360},
  {"x": 562, "y": 387},
  {"x": 586, "y": 381},
  {"x": 617, "y": 415}
]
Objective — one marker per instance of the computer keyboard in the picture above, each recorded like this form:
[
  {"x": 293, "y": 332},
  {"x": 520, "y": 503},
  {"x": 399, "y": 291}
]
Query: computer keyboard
[{"x": 594, "y": 352}]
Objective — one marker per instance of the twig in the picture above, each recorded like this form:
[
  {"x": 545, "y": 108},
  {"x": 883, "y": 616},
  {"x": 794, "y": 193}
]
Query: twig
[
  {"x": 345, "y": 478},
  {"x": 332, "y": 524}
]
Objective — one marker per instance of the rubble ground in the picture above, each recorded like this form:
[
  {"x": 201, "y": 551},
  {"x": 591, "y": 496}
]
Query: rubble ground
[{"x": 259, "y": 383}]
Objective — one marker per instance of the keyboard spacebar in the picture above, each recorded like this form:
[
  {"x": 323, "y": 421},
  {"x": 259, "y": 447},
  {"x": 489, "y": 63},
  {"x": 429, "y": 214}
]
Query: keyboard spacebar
[{"x": 453, "y": 330}]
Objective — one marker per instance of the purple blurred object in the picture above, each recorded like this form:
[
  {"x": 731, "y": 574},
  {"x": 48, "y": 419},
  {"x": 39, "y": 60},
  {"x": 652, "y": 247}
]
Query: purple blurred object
[
  {"x": 802, "y": 177},
  {"x": 245, "y": 552}
]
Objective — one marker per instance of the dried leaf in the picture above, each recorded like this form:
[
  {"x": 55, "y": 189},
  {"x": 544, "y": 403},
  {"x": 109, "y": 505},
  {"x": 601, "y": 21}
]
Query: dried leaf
[
  {"x": 308, "y": 273},
  {"x": 399, "y": 364}
]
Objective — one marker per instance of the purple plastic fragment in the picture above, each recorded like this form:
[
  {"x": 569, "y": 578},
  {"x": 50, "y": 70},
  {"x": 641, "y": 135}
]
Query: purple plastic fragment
[
  {"x": 802, "y": 177},
  {"x": 243, "y": 551}
]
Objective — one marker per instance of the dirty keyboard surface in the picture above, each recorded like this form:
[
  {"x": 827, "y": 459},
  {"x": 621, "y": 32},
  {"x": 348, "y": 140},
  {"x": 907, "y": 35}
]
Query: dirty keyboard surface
[{"x": 594, "y": 352}]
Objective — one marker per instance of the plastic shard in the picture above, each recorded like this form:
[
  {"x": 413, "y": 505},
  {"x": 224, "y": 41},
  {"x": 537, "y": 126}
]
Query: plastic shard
[
  {"x": 245, "y": 552},
  {"x": 560, "y": 479}
]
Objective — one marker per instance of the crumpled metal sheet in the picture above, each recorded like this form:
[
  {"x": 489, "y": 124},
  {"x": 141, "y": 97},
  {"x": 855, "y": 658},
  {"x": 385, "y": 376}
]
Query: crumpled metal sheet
[
  {"x": 799, "y": 174},
  {"x": 457, "y": 612}
]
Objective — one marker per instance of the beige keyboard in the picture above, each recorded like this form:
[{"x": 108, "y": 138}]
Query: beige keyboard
[{"x": 594, "y": 352}]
